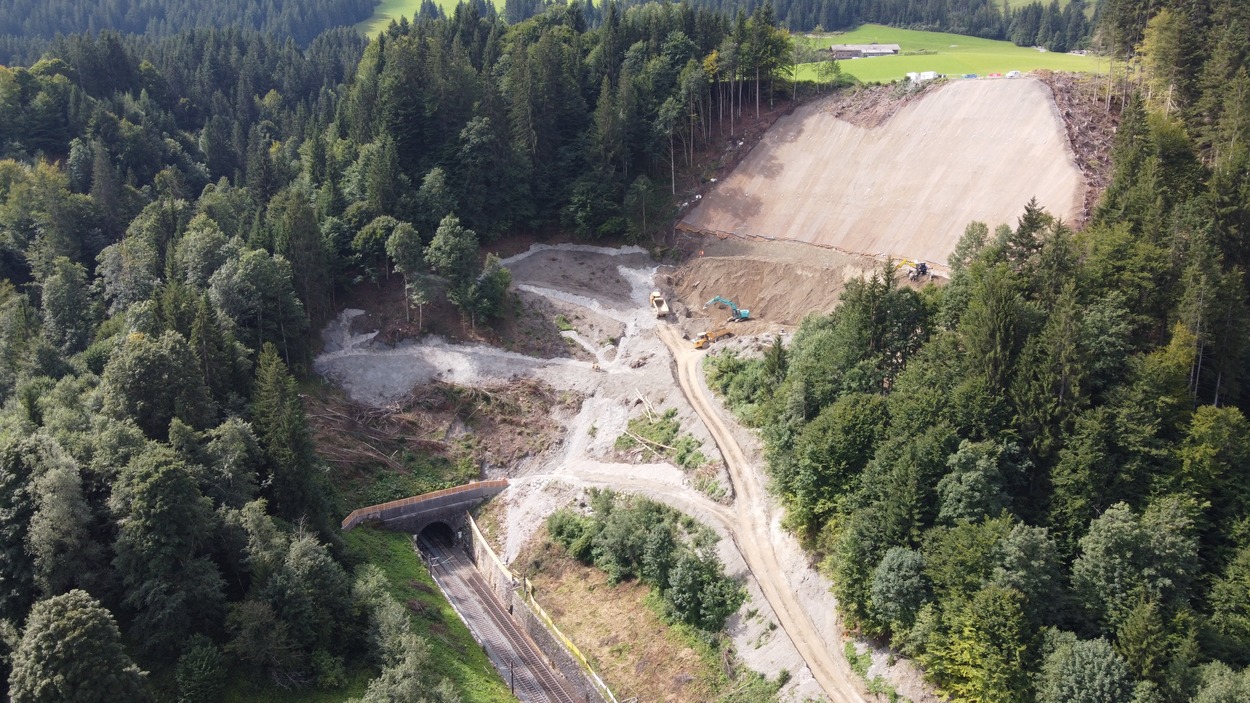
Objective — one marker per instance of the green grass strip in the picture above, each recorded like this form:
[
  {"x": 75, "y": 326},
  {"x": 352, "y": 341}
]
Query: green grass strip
[
  {"x": 952, "y": 54},
  {"x": 453, "y": 652}
]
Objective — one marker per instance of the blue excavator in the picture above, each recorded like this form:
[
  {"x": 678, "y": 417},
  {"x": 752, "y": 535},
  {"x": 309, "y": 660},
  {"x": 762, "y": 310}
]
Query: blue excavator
[{"x": 736, "y": 314}]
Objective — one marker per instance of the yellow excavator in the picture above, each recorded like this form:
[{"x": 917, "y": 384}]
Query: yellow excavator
[
  {"x": 918, "y": 269},
  {"x": 707, "y": 338}
]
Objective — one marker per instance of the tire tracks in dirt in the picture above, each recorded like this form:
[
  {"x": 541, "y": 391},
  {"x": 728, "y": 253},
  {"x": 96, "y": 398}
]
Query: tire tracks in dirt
[{"x": 751, "y": 533}]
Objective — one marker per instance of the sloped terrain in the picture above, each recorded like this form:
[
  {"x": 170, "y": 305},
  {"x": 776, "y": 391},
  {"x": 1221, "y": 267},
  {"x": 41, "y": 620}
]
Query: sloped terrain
[{"x": 968, "y": 150}]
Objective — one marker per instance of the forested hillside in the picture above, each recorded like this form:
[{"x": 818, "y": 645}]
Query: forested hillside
[
  {"x": 1032, "y": 479},
  {"x": 300, "y": 20},
  {"x": 180, "y": 214},
  {"x": 1036, "y": 479}
]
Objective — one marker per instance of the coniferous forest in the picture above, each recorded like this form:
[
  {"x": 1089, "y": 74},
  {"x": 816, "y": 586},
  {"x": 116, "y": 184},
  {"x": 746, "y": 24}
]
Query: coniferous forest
[{"x": 1032, "y": 479}]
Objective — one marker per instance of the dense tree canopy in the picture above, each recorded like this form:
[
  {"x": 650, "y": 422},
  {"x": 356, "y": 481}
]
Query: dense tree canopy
[{"x": 301, "y": 21}]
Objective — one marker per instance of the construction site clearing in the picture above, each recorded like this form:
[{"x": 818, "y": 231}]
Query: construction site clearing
[
  {"x": 443, "y": 394},
  {"x": 629, "y": 336},
  {"x": 893, "y": 172}
]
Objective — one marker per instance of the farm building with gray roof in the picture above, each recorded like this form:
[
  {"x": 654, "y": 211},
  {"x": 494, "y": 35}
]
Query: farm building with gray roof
[{"x": 861, "y": 51}]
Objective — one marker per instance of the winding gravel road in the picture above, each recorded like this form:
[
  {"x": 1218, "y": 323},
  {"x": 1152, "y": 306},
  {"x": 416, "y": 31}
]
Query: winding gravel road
[{"x": 751, "y": 532}]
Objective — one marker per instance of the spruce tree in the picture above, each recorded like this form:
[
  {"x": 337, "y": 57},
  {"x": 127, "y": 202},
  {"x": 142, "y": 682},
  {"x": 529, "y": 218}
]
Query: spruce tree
[{"x": 282, "y": 428}]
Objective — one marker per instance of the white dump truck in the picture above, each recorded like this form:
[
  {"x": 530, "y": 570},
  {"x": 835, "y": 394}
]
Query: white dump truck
[{"x": 658, "y": 304}]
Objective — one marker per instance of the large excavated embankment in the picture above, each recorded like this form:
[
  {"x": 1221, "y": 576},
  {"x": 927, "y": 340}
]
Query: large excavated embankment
[{"x": 968, "y": 150}]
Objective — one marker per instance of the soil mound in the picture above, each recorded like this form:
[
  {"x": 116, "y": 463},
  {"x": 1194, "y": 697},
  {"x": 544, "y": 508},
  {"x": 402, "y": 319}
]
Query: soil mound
[
  {"x": 968, "y": 150},
  {"x": 781, "y": 293}
]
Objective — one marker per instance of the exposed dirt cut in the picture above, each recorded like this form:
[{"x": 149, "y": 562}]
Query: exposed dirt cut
[
  {"x": 964, "y": 151},
  {"x": 501, "y": 424},
  {"x": 871, "y": 106},
  {"x": 774, "y": 292},
  {"x": 526, "y": 327},
  {"x": 577, "y": 271},
  {"x": 780, "y": 282}
]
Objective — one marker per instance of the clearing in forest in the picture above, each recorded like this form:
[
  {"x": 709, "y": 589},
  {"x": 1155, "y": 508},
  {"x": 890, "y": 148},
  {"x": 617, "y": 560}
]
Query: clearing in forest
[
  {"x": 952, "y": 54},
  {"x": 388, "y": 10},
  {"x": 964, "y": 151}
]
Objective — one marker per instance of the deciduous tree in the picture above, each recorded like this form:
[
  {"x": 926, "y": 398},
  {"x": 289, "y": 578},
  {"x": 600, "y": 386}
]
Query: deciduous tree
[
  {"x": 1084, "y": 671},
  {"x": 72, "y": 652},
  {"x": 165, "y": 524}
]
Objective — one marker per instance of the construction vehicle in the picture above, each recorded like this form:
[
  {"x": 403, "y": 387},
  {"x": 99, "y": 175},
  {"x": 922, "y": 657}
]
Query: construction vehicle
[
  {"x": 737, "y": 314},
  {"x": 707, "y": 338},
  {"x": 918, "y": 269},
  {"x": 658, "y": 304}
]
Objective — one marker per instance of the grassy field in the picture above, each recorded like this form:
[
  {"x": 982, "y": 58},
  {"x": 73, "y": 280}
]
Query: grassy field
[
  {"x": 389, "y": 10},
  {"x": 952, "y": 54}
]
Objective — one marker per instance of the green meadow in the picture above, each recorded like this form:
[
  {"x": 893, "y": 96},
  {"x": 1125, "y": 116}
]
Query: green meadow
[
  {"x": 389, "y": 10},
  {"x": 952, "y": 54}
]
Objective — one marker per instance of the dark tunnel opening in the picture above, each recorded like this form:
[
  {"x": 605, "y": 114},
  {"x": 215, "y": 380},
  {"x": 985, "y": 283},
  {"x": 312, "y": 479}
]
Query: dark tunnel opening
[{"x": 439, "y": 533}]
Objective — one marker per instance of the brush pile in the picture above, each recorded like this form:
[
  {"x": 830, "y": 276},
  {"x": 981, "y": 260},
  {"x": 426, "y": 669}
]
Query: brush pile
[{"x": 1091, "y": 128}]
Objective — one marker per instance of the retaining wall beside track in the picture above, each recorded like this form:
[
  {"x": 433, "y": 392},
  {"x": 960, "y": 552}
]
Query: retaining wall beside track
[{"x": 517, "y": 592}]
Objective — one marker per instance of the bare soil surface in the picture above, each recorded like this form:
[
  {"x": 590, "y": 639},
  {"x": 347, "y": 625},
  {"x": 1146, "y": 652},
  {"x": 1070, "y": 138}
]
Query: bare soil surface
[
  {"x": 964, "y": 151},
  {"x": 776, "y": 293},
  {"x": 498, "y": 425},
  {"x": 527, "y": 327},
  {"x": 630, "y": 360},
  {"x": 780, "y": 282},
  {"x": 871, "y": 106}
]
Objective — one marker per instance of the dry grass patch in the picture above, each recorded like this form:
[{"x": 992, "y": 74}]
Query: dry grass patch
[
  {"x": 491, "y": 518},
  {"x": 635, "y": 652}
]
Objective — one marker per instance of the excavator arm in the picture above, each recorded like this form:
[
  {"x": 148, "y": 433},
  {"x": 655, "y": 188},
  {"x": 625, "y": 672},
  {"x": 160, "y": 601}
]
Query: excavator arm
[{"x": 738, "y": 313}]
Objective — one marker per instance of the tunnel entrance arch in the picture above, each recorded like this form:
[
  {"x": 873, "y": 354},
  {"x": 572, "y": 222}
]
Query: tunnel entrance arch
[
  {"x": 412, "y": 515},
  {"x": 440, "y": 533}
]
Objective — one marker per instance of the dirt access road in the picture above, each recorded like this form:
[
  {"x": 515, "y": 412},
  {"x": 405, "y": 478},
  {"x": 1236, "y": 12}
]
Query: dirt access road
[
  {"x": 751, "y": 531},
  {"x": 790, "y": 622}
]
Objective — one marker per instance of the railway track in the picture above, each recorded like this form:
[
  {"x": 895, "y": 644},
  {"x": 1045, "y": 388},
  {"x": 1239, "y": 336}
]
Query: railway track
[{"x": 513, "y": 652}]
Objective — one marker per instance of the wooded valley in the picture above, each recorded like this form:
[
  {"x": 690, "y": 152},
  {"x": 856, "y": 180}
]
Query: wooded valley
[{"x": 1032, "y": 479}]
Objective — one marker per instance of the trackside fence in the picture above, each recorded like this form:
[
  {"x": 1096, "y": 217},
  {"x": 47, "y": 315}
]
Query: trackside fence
[{"x": 513, "y": 588}]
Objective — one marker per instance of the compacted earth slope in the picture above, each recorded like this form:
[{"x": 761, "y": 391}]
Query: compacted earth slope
[{"x": 967, "y": 150}]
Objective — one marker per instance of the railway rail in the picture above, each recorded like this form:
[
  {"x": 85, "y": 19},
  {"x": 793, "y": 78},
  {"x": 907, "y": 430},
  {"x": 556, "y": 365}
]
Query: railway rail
[{"x": 512, "y": 651}]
